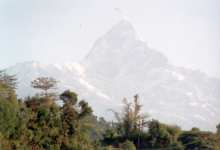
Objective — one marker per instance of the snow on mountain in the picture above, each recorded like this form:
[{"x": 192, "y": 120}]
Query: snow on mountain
[
  {"x": 69, "y": 76},
  {"x": 120, "y": 65}
]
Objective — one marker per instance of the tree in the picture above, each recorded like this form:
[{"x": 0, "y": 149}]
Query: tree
[
  {"x": 194, "y": 140},
  {"x": 58, "y": 127},
  {"x": 81, "y": 108},
  {"x": 69, "y": 97},
  {"x": 8, "y": 80},
  {"x": 195, "y": 129},
  {"x": 7, "y": 85},
  {"x": 8, "y": 117},
  {"x": 73, "y": 113},
  {"x": 131, "y": 120},
  {"x": 218, "y": 129},
  {"x": 161, "y": 135},
  {"x": 45, "y": 84}
]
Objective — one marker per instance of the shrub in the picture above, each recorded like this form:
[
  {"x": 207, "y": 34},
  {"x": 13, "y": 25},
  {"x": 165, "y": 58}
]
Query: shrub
[{"x": 128, "y": 145}]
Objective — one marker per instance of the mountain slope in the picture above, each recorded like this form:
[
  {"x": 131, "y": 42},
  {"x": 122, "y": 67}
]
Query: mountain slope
[
  {"x": 69, "y": 76},
  {"x": 120, "y": 65}
]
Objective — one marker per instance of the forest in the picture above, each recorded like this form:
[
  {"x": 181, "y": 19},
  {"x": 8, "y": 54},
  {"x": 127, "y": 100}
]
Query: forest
[{"x": 41, "y": 123}]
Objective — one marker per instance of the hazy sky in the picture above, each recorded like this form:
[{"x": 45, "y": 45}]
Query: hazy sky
[{"x": 57, "y": 31}]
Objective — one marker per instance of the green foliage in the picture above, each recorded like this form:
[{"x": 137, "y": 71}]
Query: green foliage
[
  {"x": 128, "y": 145},
  {"x": 8, "y": 80},
  {"x": 7, "y": 86},
  {"x": 159, "y": 136},
  {"x": 8, "y": 117},
  {"x": 193, "y": 140},
  {"x": 106, "y": 148},
  {"x": 69, "y": 97},
  {"x": 195, "y": 129},
  {"x": 38, "y": 123},
  {"x": 74, "y": 133},
  {"x": 131, "y": 120},
  {"x": 163, "y": 136},
  {"x": 176, "y": 146}
]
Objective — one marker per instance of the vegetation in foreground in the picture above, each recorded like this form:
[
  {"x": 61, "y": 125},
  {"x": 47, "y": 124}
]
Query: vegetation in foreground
[{"x": 39, "y": 123}]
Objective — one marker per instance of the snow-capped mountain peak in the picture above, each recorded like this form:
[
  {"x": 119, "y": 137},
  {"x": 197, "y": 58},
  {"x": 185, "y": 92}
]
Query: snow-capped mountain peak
[
  {"x": 121, "y": 65},
  {"x": 122, "y": 31}
]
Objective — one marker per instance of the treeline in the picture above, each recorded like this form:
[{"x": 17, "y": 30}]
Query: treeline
[{"x": 40, "y": 123}]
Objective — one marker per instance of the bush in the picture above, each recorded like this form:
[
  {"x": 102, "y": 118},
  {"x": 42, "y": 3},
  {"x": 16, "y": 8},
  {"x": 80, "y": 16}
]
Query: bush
[{"x": 128, "y": 145}]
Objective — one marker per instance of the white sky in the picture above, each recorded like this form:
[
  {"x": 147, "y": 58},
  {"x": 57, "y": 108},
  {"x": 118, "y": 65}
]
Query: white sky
[{"x": 57, "y": 31}]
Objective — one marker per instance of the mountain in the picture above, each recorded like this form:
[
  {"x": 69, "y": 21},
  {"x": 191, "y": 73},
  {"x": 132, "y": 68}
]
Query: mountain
[
  {"x": 121, "y": 65},
  {"x": 69, "y": 76}
]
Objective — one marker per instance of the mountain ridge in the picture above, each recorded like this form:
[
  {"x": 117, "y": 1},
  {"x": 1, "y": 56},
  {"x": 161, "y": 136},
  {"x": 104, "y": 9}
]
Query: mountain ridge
[{"x": 120, "y": 64}]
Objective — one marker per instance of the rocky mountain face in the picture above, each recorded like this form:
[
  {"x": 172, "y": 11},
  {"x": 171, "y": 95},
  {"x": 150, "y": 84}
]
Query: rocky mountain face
[{"x": 121, "y": 65}]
